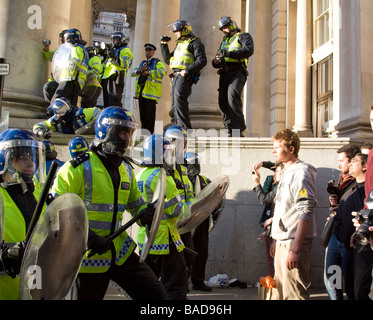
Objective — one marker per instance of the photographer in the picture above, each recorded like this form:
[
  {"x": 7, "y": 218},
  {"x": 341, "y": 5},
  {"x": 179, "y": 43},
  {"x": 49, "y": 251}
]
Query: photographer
[
  {"x": 186, "y": 61},
  {"x": 334, "y": 250},
  {"x": 232, "y": 58}
]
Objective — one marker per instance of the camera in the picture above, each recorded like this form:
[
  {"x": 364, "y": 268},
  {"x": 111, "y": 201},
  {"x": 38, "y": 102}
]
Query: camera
[
  {"x": 331, "y": 188},
  {"x": 165, "y": 38},
  {"x": 220, "y": 54},
  {"x": 46, "y": 42},
  {"x": 363, "y": 235}
]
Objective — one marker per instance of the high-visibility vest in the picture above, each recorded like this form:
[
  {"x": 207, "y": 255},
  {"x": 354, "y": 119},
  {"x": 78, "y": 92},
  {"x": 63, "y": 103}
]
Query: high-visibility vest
[
  {"x": 92, "y": 183},
  {"x": 152, "y": 89},
  {"x": 231, "y": 44},
  {"x": 182, "y": 58},
  {"x": 126, "y": 56},
  {"x": 14, "y": 232},
  {"x": 174, "y": 205},
  {"x": 94, "y": 72}
]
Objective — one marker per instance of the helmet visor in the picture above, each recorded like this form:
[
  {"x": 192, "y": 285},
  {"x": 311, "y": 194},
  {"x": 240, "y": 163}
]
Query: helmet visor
[{"x": 24, "y": 161}]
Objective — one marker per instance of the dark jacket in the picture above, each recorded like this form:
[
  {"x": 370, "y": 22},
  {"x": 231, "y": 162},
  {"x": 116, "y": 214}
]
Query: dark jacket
[
  {"x": 343, "y": 225},
  {"x": 197, "y": 48}
]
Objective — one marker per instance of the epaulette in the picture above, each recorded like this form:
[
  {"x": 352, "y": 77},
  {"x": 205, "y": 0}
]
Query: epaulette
[{"x": 79, "y": 159}]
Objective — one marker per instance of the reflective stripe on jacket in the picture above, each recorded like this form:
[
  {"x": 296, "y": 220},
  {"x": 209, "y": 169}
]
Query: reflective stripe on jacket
[
  {"x": 152, "y": 89},
  {"x": 125, "y": 58},
  {"x": 147, "y": 180},
  {"x": 232, "y": 44},
  {"x": 91, "y": 181},
  {"x": 182, "y": 58}
]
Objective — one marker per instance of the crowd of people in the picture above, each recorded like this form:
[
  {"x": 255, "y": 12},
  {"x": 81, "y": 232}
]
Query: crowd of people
[
  {"x": 102, "y": 175},
  {"x": 288, "y": 220}
]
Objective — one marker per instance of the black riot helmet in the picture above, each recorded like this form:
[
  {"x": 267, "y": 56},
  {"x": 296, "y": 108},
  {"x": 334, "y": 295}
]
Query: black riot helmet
[{"x": 228, "y": 22}]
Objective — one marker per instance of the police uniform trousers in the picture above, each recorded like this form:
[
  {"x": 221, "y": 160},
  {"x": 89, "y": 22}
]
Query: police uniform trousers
[
  {"x": 90, "y": 96},
  {"x": 136, "y": 278},
  {"x": 49, "y": 90},
  {"x": 147, "y": 113},
  {"x": 171, "y": 269},
  {"x": 180, "y": 92},
  {"x": 231, "y": 84},
  {"x": 112, "y": 89},
  {"x": 69, "y": 90},
  {"x": 201, "y": 246}
]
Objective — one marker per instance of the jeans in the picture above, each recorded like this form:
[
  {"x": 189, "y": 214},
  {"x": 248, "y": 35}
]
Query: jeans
[{"x": 338, "y": 259}]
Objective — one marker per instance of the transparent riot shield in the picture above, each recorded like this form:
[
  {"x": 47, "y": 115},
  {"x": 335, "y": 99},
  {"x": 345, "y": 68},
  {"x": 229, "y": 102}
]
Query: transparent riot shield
[
  {"x": 63, "y": 63},
  {"x": 55, "y": 250},
  {"x": 204, "y": 203},
  {"x": 159, "y": 196}
]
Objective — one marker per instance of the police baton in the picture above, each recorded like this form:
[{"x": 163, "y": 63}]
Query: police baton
[
  {"x": 42, "y": 199},
  {"x": 129, "y": 223}
]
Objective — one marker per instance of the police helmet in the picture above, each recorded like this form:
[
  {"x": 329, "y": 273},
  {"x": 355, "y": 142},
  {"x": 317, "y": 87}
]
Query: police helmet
[
  {"x": 228, "y": 22},
  {"x": 60, "y": 106},
  {"x": 22, "y": 158},
  {"x": 153, "y": 150},
  {"x": 121, "y": 39},
  {"x": 114, "y": 130},
  {"x": 78, "y": 145},
  {"x": 194, "y": 168},
  {"x": 184, "y": 26},
  {"x": 50, "y": 150},
  {"x": 62, "y": 35},
  {"x": 178, "y": 137},
  {"x": 91, "y": 52},
  {"x": 74, "y": 36}
]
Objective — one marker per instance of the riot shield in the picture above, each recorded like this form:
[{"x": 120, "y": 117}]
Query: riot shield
[
  {"x": 63, "y": 63},
  {"x": 159, "y": 196},
  {"x": 215, "y": 215},
  {"x": 55, "y": 250},
  {"x": 204, "y": 204},
  {"x": 88, "y": 128}
]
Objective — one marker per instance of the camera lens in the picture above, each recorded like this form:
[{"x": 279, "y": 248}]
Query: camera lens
[{"x": 363, "y": 235}]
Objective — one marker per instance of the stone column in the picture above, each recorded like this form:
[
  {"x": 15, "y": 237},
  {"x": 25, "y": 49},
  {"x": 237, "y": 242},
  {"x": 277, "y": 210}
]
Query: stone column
[
  {"x": 303, "y": 69},
  {"x": 257, "y": 101},
  {"x": 203, "y": 16},
  {"x": 139, "y": 36},
  {"x": 163, "y": 13}
]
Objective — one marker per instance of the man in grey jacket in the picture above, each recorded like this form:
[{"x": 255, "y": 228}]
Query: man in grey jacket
[{"x": 294, "y": 224}]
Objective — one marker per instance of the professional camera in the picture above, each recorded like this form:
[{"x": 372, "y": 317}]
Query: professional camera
[
  {"x": 47, "y": 42},
  {"x": 220, "y": 54},
  {"x": 165, "y": 39},
  {"x": 363, "y": 235},
  {"x": 365, "y": 217},
  {"x": 332, "y": 189}
]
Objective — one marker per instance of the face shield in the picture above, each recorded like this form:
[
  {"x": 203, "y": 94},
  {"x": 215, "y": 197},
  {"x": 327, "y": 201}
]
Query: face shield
[
  {"x": 180, "y": 142},
  {"x": 169, "y": 157},
  {"x": 120, "y": 138},
  {"x": 22, "y": 161}
]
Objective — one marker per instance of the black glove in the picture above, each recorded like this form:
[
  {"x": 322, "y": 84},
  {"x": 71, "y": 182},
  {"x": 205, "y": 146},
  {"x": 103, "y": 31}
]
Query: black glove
[
  {"x": 43, "y": 133},
  {"x": 148, "y": 215},
  {"x": 179, "y": 183},
  {"x": 11, "y": 259},
  {"x": 98, "y": 244}
]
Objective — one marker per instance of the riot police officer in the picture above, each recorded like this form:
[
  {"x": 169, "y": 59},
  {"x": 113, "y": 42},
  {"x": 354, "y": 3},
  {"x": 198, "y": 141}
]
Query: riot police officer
[
  {"x": 166, "y": 256},
  {"x": 67, "y": 119},
  {"x": 115, "y": 69},
  {"x": 22, "y": 162},
  {"x": 69, "y": 66},
  {"x": 231, "y": 60},
  {"x": 107, "y": 184},
  {"x": 186, "y": 62}
]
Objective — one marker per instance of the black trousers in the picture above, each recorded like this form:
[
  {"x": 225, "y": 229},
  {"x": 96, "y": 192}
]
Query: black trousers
[
  {"x": 363, "y": 274},
  {"x": 231, "y": 84},
  {"x": 89, "y": 96},
  {"x": 180, "y": 92},
  {"x": 112, "y": 89},
  {"x": 201, "y": 246},
  {"x": 69, "y": 90},
  {"x": 171, "y": 269},
  {"x": 48, "y": 91},
  {"x": 147, "y": 113},
  {"x": 136, "y": 278}
]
